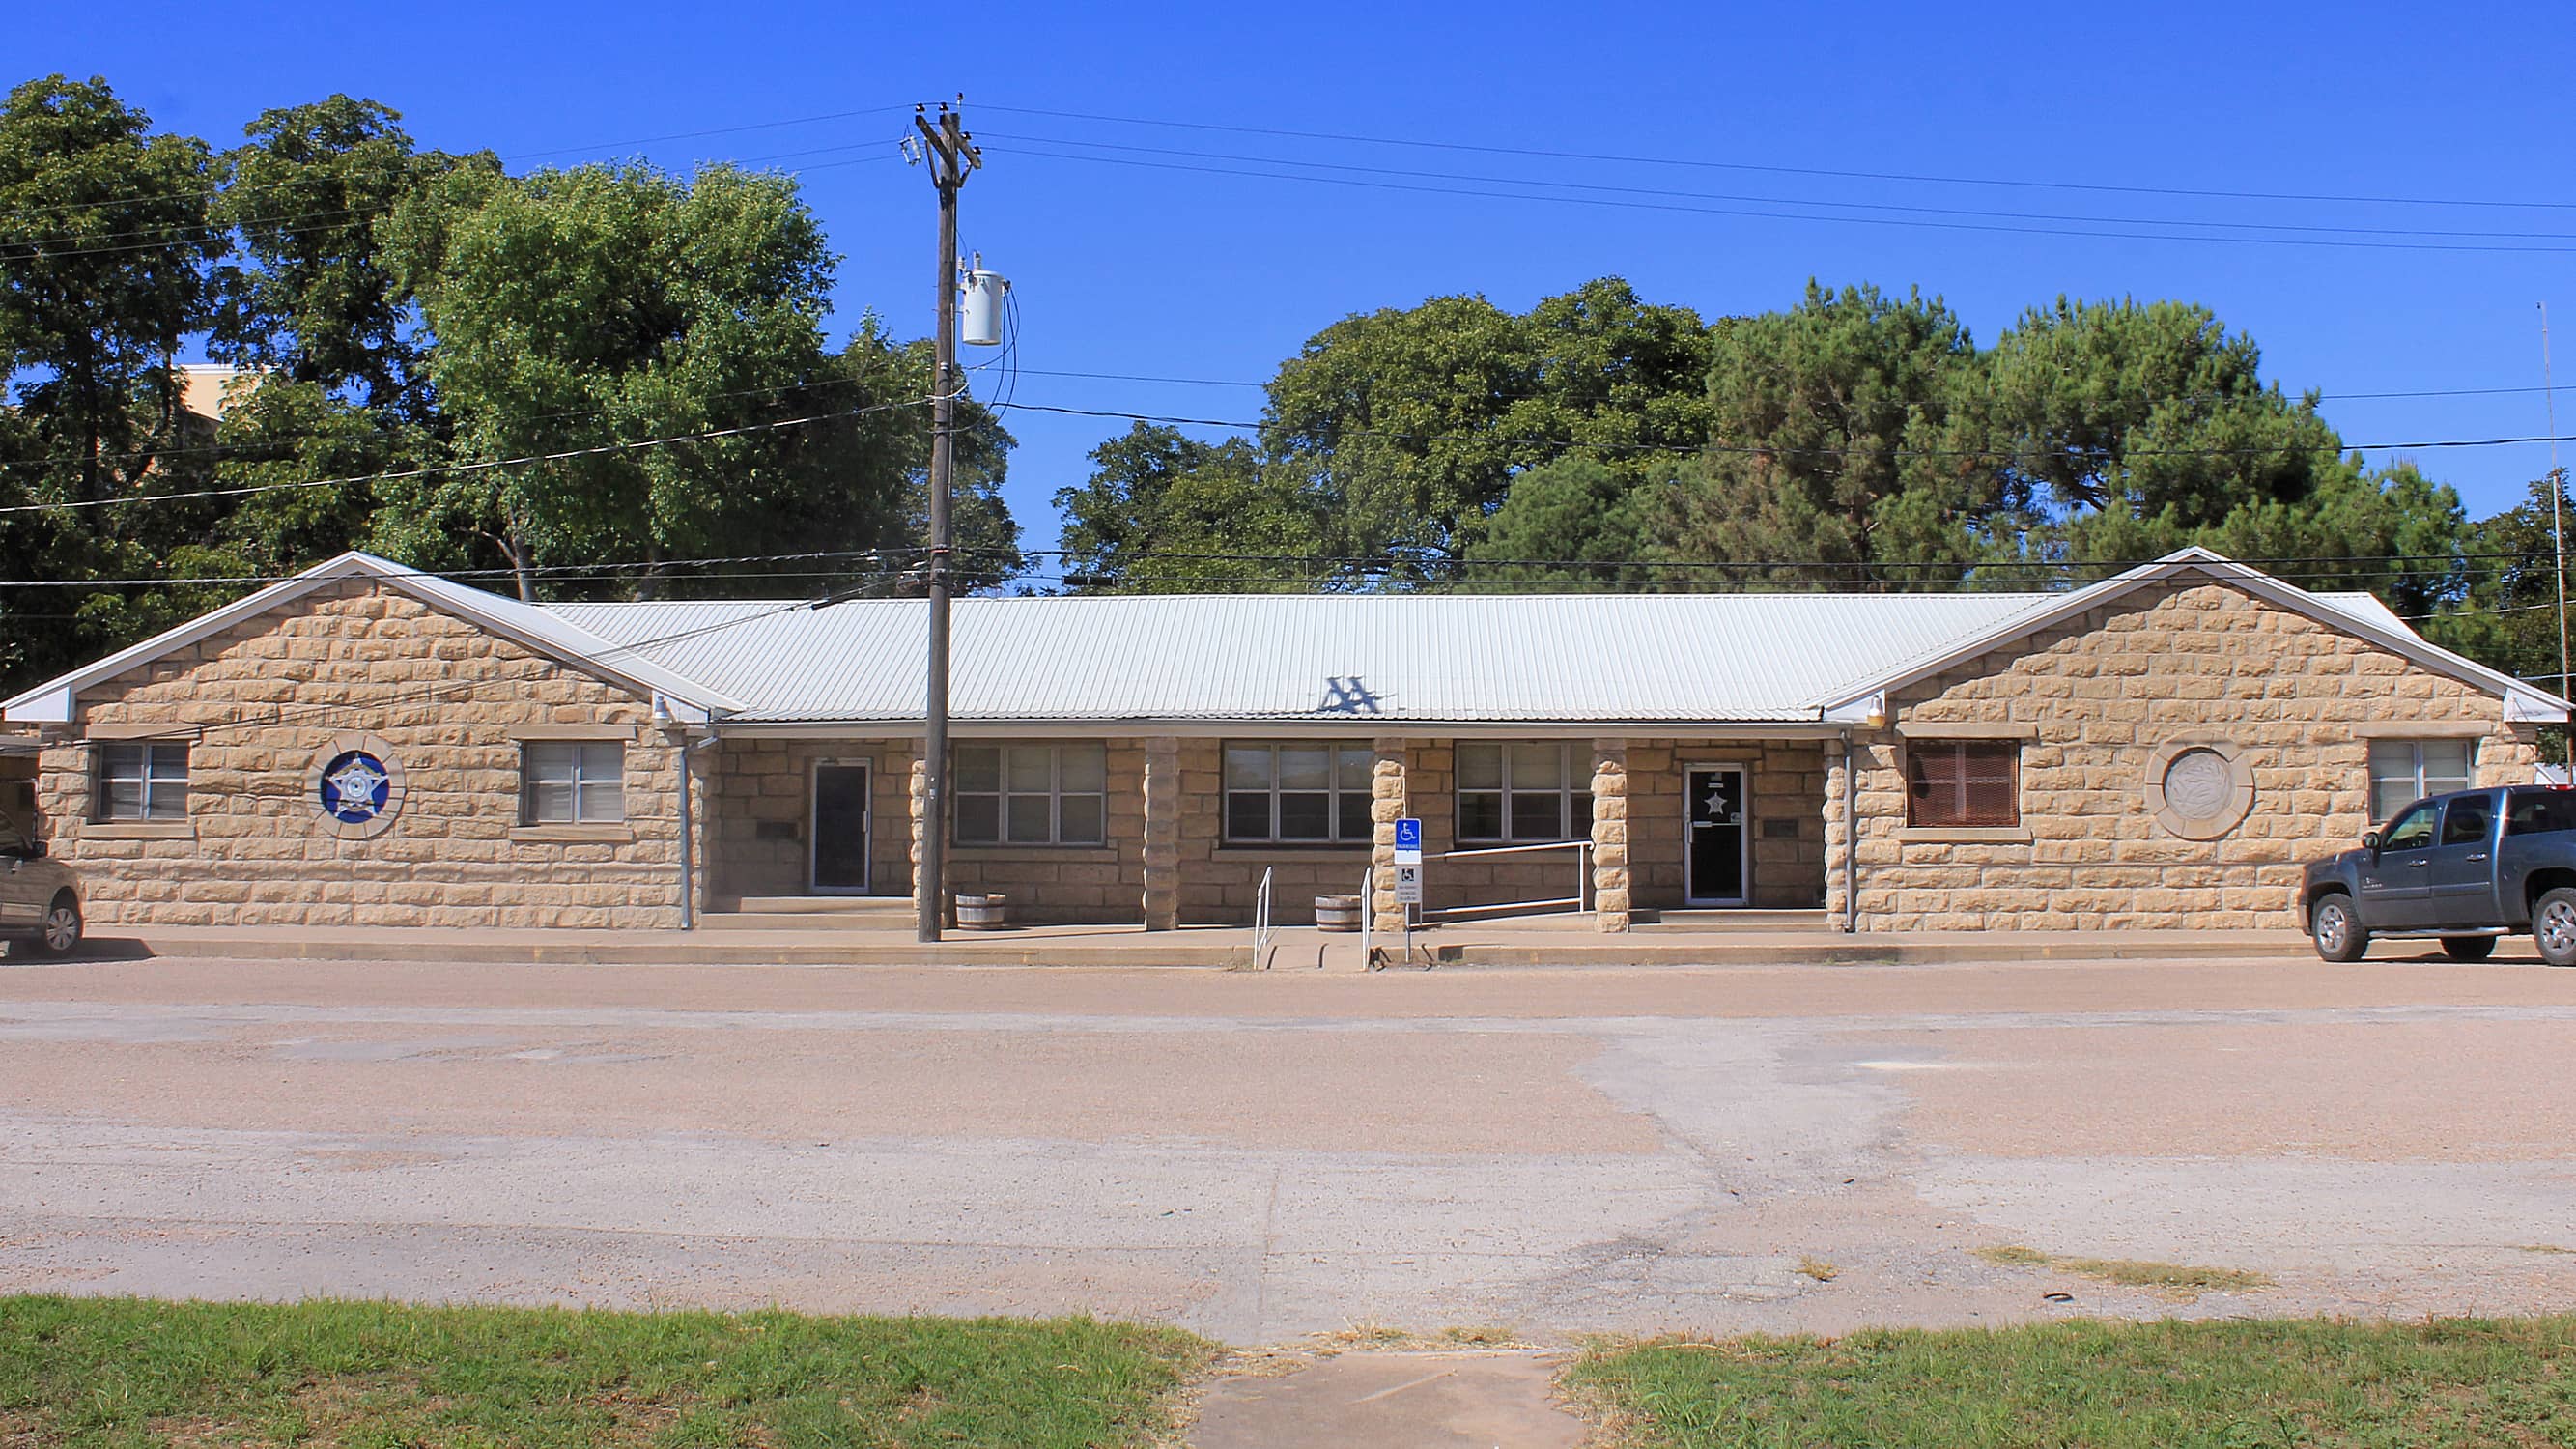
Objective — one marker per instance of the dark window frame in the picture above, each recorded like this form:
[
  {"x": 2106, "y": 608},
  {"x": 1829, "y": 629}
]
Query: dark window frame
[
  {"x": 1572, "y": 791},
  {"x": 1937, "y": 767},
  {"x": 1343, "y": 830},
  {"x": 1001, "y": 796}
]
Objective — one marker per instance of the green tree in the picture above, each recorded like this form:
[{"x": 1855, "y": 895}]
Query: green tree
[
  {"x": 2507, "y": 617},
  {"x": 312, "y": 296},
  {"x": 1574, "y": 519},
  {"x": 1409, "y": 425},
  {"x": 1830, "y": 447},
  {"x": 104, "y": 245},
  {"x": 579, "y": 309},
  {"x": 1166, "y": 511}
]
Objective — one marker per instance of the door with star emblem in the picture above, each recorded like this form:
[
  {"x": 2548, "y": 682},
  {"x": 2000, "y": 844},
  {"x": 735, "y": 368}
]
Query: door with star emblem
[{"x": 1714, "y": 856}]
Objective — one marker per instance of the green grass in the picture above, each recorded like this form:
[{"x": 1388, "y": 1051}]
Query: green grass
[
  {"x": 120, "y": 1372},
  {"x": 2182, "y": 1280},
  {"x": 2311, "y": 1383}
]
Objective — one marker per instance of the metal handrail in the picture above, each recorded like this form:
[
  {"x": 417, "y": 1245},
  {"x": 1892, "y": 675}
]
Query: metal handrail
[
  {"x": 1581, "y": 900},
  {"x": 1368, "y": 915},
  {"x": 1261, "y": 922}
]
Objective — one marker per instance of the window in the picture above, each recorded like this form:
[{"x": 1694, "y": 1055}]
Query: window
[
  {"x": 2467, "y": 819},
  {"x": 2412, "y": 831},
  {"x": 1962, "y": 784},
  {"x": 2404, "y": 771},
  {"x": 572, "y": 782},
  {"x": 1512, "y": 794},
  {"x": 2540, "y": 812},
  {"x": 142, "y": 782},
  {"x": 1032, "y": 794},
  {"x": 1297, "y": 794}
]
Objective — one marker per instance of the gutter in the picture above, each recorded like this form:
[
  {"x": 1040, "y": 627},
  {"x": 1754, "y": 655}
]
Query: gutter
[
  {"x": 689, "y": 832},
  {"x": 1851, "y": 841}
]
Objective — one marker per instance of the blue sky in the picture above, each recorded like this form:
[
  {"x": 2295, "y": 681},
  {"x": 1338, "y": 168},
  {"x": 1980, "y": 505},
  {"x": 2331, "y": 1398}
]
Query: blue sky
[{"x": 1173, "y": 273}]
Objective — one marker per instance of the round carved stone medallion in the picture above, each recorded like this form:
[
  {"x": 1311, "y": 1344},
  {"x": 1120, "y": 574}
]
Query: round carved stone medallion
[
  {"x": 2198, "y": 789},
  {"x": 2197, "y": 784}
]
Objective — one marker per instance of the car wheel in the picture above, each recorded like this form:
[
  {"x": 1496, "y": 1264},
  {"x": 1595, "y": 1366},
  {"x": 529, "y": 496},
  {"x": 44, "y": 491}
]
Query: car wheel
[
  {"x": 2553, "y": 926},
  {"x": 2337, "y": 929},
  {"x": 2468, "y": 948},
  {"x": 60, "y": 933}
]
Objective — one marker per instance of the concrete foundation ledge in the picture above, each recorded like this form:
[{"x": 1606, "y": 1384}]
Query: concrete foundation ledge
[{"x": 1489, "y": 945}]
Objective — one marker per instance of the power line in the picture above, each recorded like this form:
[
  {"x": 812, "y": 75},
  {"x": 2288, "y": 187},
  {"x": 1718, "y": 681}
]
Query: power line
[
  {"x": 1694, "y": 450},
  {"x": 2195, "y": 397},
  {"x": 211, "y": 194},
  {"x": 2303, "y": 566},
  {"x": 1884, "y": 221},
  {"x": 1793, "y": 200},
  {"x": 217, "y": 232},
  {"x": 257, "y": 445},
  {"x": 458, "y": 468},
  {"x": 1840, "y": 175},
  {"x": 542, "y": 571}
]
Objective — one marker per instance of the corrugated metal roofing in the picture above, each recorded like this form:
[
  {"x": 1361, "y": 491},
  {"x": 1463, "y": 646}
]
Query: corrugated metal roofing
[{"x": 1389, "y": 658}]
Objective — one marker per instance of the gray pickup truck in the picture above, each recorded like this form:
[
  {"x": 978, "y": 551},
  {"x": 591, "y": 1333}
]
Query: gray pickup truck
[{"x": 2463, "y": 869}]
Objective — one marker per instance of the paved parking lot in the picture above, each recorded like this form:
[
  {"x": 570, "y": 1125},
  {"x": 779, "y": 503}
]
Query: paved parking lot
[{"x": 1263, "y": 1155}]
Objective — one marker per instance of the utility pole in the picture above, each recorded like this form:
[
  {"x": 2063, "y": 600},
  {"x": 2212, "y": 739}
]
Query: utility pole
[
  {"x": 951, "y": 154},
  {"x": 2557, "y": 526}
]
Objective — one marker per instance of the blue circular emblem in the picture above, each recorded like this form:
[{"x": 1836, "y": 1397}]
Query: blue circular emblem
[{"x": 355, "y": 787}]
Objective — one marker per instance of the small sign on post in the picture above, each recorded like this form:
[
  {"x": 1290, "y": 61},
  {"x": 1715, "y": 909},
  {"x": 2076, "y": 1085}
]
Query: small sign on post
[
  {"x": 1408, "y": 841},
  {"x": 1408, "y": 885}
]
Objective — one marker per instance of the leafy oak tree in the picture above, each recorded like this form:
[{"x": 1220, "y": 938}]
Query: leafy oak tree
[
  {"x": 1165, "y": 511},
  {"x": 104, "y": 245}
]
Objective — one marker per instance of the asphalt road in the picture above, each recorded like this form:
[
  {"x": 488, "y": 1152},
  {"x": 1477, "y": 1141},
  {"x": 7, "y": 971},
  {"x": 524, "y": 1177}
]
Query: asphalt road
[{"x": 1260, "y": 1156}]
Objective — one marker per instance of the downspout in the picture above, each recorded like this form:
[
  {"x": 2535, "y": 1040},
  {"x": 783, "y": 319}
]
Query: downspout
[
  {"x": 689, "y": 833},
  {"x": 1851, "y": 841}
]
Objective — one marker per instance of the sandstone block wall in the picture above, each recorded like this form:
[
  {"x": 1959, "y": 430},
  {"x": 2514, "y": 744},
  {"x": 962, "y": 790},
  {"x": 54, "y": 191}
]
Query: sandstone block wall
[
  {"x": 2299, "y": 701},
  {"x": 1218, "y": 882},
  {"x": 1052, "y": 884},
  {"x": 266, "y": 698},
  {"x": 760, "y": 819},
  {"x": 1785, "y": 829}
]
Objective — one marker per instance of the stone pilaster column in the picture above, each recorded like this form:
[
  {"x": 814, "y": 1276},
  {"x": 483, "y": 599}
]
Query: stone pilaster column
[
  {"x": 919, "y": 799},
  {"x": 1387, "y": 805},
  {"x": 1162, "y": 833},
  {"x": 1610, "y": 835}
]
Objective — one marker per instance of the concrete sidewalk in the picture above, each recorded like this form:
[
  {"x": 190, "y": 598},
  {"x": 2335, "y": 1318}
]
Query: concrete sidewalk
[{"x": 1533, "y": 943}]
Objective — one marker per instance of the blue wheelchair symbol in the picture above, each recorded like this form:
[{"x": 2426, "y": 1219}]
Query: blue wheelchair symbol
[{"x": 1408, "y": 835}]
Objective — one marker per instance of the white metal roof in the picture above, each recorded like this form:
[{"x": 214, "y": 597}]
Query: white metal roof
[
  {"x": 1450, "y": 658},
  {"x": 1356, "y": 660}
]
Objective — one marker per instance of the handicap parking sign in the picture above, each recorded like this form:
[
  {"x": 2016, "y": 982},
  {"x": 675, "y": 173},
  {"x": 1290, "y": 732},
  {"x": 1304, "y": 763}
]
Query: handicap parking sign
[{"x": 1408, "y": 842}]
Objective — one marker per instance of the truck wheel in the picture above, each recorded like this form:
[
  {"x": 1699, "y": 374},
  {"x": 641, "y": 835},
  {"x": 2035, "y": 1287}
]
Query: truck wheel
[
  {"x": 60, "y": 933},
  {"x": 2468, "y": 948},
  {"x": 2337, "y": 929},
  {"x": 2553, "y": 926}
]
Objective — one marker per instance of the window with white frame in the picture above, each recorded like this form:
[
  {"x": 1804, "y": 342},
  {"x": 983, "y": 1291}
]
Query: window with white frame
[
  {"x": 1297, "y": 794},
  {"x": 1032, "y": 794},
  {"x": 2403, "y": 771},
  {"x": 1522, "y": 794},
  {"x": 141, "y": 781},
  {"x": 572, "y": 782}
]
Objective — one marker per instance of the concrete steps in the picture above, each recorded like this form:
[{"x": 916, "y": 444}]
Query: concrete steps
[
  {"x": 813, "y": 913},
  {"x": 1733, "y": 921}
]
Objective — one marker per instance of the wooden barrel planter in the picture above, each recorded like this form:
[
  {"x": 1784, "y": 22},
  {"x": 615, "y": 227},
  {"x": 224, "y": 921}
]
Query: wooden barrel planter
[
  {"x": 1337, "y": 913},
  {"x": 983, "y": 913}
]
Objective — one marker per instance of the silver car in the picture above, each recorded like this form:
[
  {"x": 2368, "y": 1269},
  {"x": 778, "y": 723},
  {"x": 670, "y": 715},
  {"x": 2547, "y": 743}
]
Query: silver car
[{"x": 39, "y": 896}]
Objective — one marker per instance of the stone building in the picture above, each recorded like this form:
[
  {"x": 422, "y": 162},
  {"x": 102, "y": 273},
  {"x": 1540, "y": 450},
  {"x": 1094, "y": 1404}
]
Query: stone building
[{"x": 368, "y": 745}]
